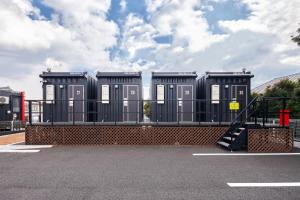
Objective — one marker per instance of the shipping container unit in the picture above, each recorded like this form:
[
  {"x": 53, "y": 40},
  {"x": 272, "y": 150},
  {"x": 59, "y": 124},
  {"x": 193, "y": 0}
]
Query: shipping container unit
[
  {"x": 68, "y": 97},
  {"x": 173, "y": 96},
  {"x": 219, "y": 89},
  {"x": 120, "y": 97},
  {"x": 11, "y": 105}
]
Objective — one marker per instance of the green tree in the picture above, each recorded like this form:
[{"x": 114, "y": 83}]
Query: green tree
[
  {"x": 297, "y": 38},
  {"x": 285, "y": 88},
  {"x": 147, "y": 108}
]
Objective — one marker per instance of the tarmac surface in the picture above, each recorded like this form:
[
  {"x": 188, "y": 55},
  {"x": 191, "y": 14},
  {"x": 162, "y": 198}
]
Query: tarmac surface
[{"x": 143, "y": 172}]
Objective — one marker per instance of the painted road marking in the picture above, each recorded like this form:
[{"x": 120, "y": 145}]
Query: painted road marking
[
  {"x": 246, "y": 154},
  {"x": 26, "y": 146},
  {"x": 18, "y": 151},
  {"x": 284, "y": 184},
  {"x": 22, "y": 148}
]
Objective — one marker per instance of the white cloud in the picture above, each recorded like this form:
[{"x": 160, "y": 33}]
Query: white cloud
[
  {"x": 123, "y": 5},
  {"x": 137, "y": 35},
  {"x": 291, "y": 60},
  {"x": 257, "y": 42},
  {"x": 184, "y": 20},
  {"x": 280, "y": 18},
  {"x": 77, "y": 38},
  {"x": 19, "y": 31}
]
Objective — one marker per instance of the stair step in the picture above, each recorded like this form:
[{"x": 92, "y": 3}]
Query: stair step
[
  {"x": 241, "y": 129},
  {"x": 229, "y": 138},
  {"x": 224, "y": 144},
  {"x": 236, "y": 133}
]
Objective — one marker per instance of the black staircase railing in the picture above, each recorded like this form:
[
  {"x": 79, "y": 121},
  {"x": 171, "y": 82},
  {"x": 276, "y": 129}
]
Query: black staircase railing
[
  {"x": 263, "y": 112},
  {"x": 240, "y": 120}
]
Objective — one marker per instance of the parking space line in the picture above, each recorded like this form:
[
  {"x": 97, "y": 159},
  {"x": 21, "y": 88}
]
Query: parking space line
[
  {"x": 19, "y": 151},
  {"x": 27, "y": 146},
  {"x": 246, "y": 154},
  {"x": 22, "y": 148},
  {"x": 283, "y": 184}
]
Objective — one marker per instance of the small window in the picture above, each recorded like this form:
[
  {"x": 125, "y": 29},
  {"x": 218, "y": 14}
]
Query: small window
[
  {"x": 215, "y": 94},
  {"x": 160, "y": 94},
  {"x": 105, "y": 94},
  {"x": 49, "y": 93},
  {"x": 16, "y": 104}
]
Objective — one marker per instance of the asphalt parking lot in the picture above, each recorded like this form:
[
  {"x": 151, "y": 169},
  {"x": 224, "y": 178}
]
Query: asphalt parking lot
[{"x": 143, "y": 172}]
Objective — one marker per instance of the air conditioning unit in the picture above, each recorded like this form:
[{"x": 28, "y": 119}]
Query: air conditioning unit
[{"x": 4, "y": 100}]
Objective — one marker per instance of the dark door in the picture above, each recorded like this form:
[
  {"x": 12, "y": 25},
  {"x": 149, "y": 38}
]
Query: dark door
[
  {"x": 130, "y": 103},
  {"x": 239, "y": 94},
  {"x": 76, "y": 103},
  {"x": 185, "y": 103}
]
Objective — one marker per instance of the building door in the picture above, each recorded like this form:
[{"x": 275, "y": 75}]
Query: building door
[
  {"x": 185, "y": 103},
  {"x": 239, "y": 94},
  {"x": 76, "y": 102},
  {"x": 130, "y": 103}
]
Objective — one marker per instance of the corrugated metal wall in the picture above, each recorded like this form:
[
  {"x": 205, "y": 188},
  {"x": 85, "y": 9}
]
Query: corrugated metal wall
[
  {"x": 114, "y": 110},
  {"x": 168, "y": 111},
  {"x": 230, "y": 88},
  {"x": 61, "y": 109}
]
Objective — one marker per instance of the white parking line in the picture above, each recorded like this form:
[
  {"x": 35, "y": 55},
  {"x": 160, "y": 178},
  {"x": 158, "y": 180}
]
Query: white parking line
[
  {"x": 18, "y": 151},
  {"x": 26, "y": 146},
  {"x": 22, "y": 148},
  {"x": 284, "y": 184},
  {"x": 246, "y": 154}
]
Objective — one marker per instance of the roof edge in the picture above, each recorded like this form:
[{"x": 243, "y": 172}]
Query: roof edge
[
  {"x": 63, "y": 74},
  {"x": 118, "y": 74},
  {"x": 174, "y": 74}
]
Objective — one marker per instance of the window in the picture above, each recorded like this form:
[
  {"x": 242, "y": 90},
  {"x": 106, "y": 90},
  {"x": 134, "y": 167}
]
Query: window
[
  {"x": 160, "y": 94},
  {"x": 105, "y": 94},
  {"x": 49, "y": 93}
]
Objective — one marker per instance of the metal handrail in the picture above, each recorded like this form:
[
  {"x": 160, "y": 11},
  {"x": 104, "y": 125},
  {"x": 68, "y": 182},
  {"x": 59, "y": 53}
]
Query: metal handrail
[{"x": 200, "y": 111}]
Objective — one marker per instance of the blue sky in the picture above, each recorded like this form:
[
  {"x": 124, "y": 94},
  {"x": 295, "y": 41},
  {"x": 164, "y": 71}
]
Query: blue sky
[{"x": 146, "y": 35}]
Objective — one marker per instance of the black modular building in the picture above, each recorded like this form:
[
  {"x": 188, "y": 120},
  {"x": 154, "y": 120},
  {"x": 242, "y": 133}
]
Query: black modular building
[
  {"x": 173, "y": 96},
  {"x": 68, "y": 97},
  {"x": 219, "y": 89},
  {"x": 11, "y": 105},
  {"x": 120, "y": 97}
]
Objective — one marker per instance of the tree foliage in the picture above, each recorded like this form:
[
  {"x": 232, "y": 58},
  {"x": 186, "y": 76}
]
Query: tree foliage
[
  {"x": 297, "y": 38},
  {"x": 147, "y": 108},
  {"x": 285, "y": 88}
]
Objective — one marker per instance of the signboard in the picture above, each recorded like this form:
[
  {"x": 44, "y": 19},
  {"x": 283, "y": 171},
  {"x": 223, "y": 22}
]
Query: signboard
[
  {"x": 215, "y": 94},
  {"x": 49, "y": 94},
  {"x": 105, "y": 94},
  {"x": 179, "y": 101},
  {"x": 125, "y": 102},
  {"x": 234, "y": 105},
  {"x": 71, "y": 102},
  {"x": 160, "y": 94}
]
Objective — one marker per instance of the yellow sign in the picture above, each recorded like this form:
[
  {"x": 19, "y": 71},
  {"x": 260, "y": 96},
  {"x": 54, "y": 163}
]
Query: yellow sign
[{"x": 234, "y": 105}]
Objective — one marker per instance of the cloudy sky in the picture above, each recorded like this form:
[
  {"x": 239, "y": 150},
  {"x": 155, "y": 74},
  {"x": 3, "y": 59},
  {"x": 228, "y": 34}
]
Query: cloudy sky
[{"x": 146, "y": 35}]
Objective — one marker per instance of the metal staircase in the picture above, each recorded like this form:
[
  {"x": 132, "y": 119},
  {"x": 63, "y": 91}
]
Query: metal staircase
[{"x": 236, "y": 137}]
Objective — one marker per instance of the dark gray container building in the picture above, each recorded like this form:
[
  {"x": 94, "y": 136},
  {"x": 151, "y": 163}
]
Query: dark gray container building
[
  {"x": 218, "y": 89},
  {"x": 10, "y": 105},
  {"x": 173, "y": 95},
  {"x": 120, "y": 97},
  {"x": 68, "y": 95}
]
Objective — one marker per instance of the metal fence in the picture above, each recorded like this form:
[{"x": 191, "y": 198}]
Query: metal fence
[
  {"x": 267, "y": 112},
  {"x": 7, "y": 127},
  {"x": 295, "y": 125}
]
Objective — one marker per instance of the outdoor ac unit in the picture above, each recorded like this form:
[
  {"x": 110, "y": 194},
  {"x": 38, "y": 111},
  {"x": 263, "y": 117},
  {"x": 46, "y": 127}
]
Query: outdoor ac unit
[{"x": 4, "y": 100}]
